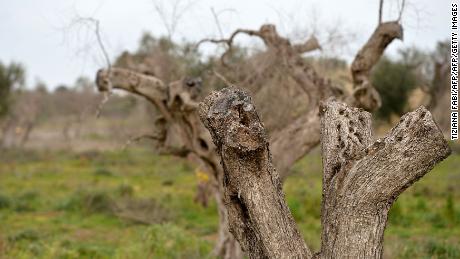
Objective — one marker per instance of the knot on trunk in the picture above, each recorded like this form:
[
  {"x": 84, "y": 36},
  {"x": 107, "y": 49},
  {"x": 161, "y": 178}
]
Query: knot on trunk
[
  {"x": 102, "y": 80},
  {"x": 252, "y": 189},
  {"x": 232, "y": 120}
]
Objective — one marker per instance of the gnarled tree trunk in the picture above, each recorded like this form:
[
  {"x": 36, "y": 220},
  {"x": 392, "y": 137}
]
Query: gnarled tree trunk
[
  {"x": 361, "y": 178},
  {"x": 179, "y": 131}
]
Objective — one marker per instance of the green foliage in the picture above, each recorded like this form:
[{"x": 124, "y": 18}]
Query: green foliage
[
  {"x": 396, "y": 214},
  {"x": 439, "y": 249},
  {"x": 5, "y": 201},
  {"x": 88, "y": 202},
  {"x": 393, "y": 80},
  {"x": 125, "y": 190},
  {"x": 430, "y": 248},
  {"x": 449, "y": 209},
  {"x": 74, "y": 213},
  {"x": 102, "y": 172},
  {"x": 26, "y": 234},
  {"x": 11, "y": 76},
  {"x": 26, "y": 201},
  {"x": 170, "y": 241}
]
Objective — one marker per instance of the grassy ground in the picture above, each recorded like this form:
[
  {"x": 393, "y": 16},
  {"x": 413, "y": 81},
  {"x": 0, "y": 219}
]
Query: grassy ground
[{"x": 90, "y": 205}]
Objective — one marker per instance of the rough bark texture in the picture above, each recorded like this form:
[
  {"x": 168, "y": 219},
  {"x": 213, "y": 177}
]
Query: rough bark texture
[
  {"x": 227, "y": 246},
  {"x": 361, "y": 178},
  {"x": 364, "y": 94},
  {"x": 303, "y": 132},
  {"x": 258, "y": 215}
]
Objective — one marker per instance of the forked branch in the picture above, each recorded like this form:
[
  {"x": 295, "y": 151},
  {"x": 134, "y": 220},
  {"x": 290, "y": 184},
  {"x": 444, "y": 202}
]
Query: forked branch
[
  {"x": 272, "y": 40},
  {"x": 361, "y": 178}
]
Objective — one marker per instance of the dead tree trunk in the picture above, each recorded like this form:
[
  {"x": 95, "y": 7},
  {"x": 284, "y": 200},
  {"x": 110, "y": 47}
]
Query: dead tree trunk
[
  {"x": 361, "y": 178},
  {"x": 179, "y": 132},
  {"x": 364, "y": 94},
  {"x": 305, "y": 130},
  {"x": 253, "y": 194},
  {"x": 227, "y": 247}
]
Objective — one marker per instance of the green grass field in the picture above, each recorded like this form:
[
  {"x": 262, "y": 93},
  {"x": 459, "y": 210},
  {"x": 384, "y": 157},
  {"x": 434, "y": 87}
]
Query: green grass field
[{"x": 133, "y": 204}]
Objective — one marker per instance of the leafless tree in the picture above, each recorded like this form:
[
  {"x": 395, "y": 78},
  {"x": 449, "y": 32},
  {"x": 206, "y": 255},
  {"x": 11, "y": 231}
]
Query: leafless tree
[
  {"x": 171, "y": 18},
  {"x": 23, "y": 117},
  {"x": 179, "y": 131}
]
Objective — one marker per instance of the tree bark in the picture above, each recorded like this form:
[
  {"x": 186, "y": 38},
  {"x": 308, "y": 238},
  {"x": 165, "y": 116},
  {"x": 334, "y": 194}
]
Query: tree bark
[
  {"x": 364, "y": 94},
  {"x": 227, "y": 246},
  {"x": 361, "y": 178},
  {"x": 258, "y": 215}
]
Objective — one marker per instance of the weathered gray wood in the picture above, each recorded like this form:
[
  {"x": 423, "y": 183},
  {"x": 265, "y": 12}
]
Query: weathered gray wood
[
  {"x": 258, "y": 215},
  {"x": 362, "y": 180},
  {"x": 364, "y": 94}
]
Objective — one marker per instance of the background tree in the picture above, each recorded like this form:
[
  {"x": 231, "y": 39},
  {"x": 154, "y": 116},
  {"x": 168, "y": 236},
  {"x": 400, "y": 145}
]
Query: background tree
[
  {"x": 12, "y": 77},
  {"x": 394, "y": 80},
  {"x": 413, "y": 78},
  {"x": 439, "y": 88}
]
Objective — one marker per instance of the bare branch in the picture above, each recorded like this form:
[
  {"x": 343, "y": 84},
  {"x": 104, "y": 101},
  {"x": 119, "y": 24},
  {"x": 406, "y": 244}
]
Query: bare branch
[
  {"x": 139, "y": 138},
  {"x": 310, "y": 45},
  {"x": 228, "y": 42},
  {"x": 171, "y": 20},
  {"x": 216, "y": 19},
  {"x": 149, "y": 87},
  {"x": 401, "y": 10},
  {"x": 222, "y": 78},
  {"x": 105, "y": 99},
  {"x": 94, "y": 24},
  {"x": 362, "y": 180},
  {"x": 364, "y": 94},
  {"x": 295, "y": 140},
  {"x": 272, "y": 40}
]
